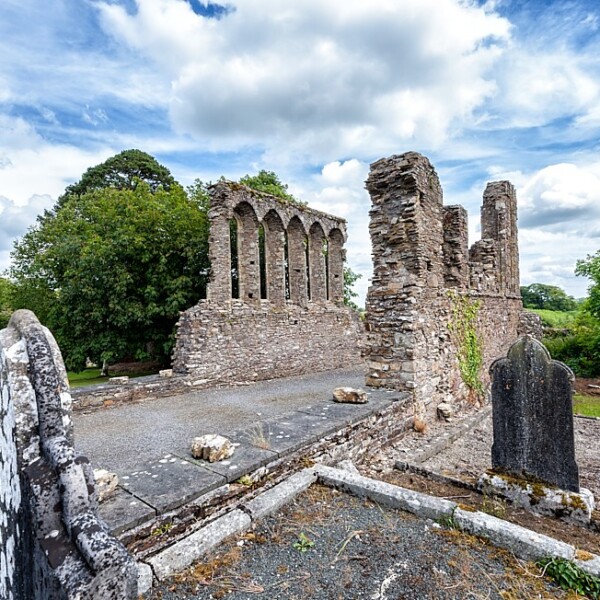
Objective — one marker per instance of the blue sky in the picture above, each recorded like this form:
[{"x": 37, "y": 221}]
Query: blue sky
[{"x": 314, "y": 90}]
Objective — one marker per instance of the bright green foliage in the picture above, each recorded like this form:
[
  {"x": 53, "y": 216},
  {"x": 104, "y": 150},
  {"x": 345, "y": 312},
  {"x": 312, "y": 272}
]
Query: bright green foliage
[
  {"x": 463, "y": 326},
  {"x": 122, "y": 264},
  {"x": 570, "y": 576},
  {"x": 579, "y": 348},
  {"x": 269, "y": 183},
  {"x": 7, "y": 289},
  {"x": 549, "y": 297},
  {"x": 122, "y": 171},
  {"x": 590, "y": 267},
  {"x": 555, "y": 319},
  {"x": 303, "y": 543},
  {"x": 350, "y": 278}
]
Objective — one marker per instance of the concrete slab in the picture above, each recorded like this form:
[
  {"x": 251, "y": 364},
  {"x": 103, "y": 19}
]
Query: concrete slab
[
  {"x": 124, "y": 511},
  {"x": 168, "y": 481}
]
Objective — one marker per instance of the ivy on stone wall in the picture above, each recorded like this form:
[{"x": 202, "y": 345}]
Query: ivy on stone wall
[{"x": 469, "y": 347}]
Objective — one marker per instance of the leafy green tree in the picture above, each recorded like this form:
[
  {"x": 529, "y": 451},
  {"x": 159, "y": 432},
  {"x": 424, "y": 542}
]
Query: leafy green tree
[
  {"x": 122, "y": 264},
  {"x": 350, "y": 278},
  {"x": 269, "y": 183},
  {"x": 590, "y": 267},
  {"x": 549, "y": 297},
  {"x": 6, "y": 301},
  {"x": 122, "y": 171}
]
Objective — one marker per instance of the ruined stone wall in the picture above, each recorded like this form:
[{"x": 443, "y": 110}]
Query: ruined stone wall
[
  {"x": 53, "y": 544},
  {"x": 425, "y": 277},
  {"x": 275, "y": 311}
]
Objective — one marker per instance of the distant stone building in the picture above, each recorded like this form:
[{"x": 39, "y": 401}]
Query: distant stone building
[{"x": 274, "y": 303}]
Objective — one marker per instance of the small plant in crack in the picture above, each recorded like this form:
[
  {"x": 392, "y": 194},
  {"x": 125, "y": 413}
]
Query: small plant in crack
[
  {"x": 303, "y": 543},
  {"x": 260, "y": 438}
]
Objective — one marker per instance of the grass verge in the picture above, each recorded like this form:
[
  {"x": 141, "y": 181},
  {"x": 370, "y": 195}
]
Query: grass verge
[{"x": 588, "y": 406}]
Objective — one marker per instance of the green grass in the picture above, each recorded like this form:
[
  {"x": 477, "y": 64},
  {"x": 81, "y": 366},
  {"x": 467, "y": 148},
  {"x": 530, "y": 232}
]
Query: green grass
[
  {"x": 555, "y": 318},
  {"x": 92, "y": 377},
  {"x": 588, "y": 406}
]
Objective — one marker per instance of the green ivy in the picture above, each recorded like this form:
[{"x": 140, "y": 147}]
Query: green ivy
[
  {"x": 463, "y": 326},
  {"x": 570, "y": 576}
]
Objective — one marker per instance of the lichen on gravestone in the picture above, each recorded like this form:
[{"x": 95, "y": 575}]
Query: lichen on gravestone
[{"x": 532, "y": 399}]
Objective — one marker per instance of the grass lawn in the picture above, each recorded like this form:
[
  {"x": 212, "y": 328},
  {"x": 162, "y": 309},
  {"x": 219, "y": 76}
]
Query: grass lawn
[
  {"x": 92, "y": 377},
  {"x": 588, "y": 406},
  {"x": 555, "y": 318}
]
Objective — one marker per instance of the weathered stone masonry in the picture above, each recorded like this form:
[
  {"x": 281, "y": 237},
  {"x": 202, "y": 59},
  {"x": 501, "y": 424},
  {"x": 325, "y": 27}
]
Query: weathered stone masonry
[
  {"x": 282, "y": 312},
  {"x": 422, "y": 269},
  {"x": 52, "y": 544}
]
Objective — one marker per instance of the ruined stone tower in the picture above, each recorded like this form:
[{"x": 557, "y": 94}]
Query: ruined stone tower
[{"x": 424, "y": 275}]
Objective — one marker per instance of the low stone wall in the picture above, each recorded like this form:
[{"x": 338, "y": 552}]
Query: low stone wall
[
  {"x": 53, "y": 545},
  {"x": 238, "y": 342},
  {"x": 134, "y": 390}
]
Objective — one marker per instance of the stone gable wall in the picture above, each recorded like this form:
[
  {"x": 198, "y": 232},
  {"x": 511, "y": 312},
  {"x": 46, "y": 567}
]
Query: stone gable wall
[
  {"x": 301, "y": 326},
  {"x": 53, "y": 544},
  {"x": 422, "y": 267}
]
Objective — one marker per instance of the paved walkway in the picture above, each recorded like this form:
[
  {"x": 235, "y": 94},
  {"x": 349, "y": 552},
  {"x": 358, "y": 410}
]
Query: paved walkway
[{"x": 147, "y": 443}]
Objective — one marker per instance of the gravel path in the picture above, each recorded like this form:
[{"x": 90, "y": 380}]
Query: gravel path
[{"x": 355, "y": 549}]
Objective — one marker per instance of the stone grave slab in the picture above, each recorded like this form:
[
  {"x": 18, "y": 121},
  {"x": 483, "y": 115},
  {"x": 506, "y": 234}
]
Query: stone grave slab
[
  {"x": 124, "y": 511},
  {"x": 346, "y": 414},
  {"x": 246, "y": 459},
  {"x": 168, "y": 481},
  {"x": 276, "y": 437}
]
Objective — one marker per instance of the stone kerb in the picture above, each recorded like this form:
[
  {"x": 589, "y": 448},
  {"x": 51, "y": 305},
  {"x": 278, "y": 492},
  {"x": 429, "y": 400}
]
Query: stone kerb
[
  {"x": 533, "y": 416},
  {"x": 61, "y": 549}
]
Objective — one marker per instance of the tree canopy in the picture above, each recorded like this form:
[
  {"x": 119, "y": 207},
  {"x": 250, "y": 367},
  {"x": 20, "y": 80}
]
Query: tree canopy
[
  {"x": 121, "y": 264},
  {"x": 122, "y": 171},
  {"x": 269, "y": 183},
  {"x": 6, "y": 301},
  {"x": 549, "y": 297}
]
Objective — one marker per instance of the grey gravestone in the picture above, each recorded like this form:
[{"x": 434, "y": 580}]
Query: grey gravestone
[{"x": 532, "y": 398}]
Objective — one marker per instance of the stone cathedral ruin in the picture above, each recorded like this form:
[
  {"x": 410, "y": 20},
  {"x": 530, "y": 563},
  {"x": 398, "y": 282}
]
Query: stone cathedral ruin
[{"x": 438, "y": 313}]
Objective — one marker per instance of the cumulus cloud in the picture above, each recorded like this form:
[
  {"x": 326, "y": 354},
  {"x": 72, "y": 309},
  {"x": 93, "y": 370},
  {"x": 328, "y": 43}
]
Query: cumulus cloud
[
  {"x": 562, "y": 195},
  {"x": 319, "y": 76}
]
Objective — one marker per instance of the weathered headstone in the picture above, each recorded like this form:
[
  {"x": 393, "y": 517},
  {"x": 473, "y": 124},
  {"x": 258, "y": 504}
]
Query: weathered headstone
[
  {"x": 53, "y": 546},
  {"x": 532, "y": 400}
]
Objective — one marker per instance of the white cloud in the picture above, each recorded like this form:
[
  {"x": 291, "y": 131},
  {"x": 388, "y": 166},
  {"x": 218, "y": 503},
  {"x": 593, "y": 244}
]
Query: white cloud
[{"x": 318, "y": 77}]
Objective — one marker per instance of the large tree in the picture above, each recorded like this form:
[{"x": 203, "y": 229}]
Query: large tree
[
  {"x": 6, "y": 301},
  {"x": 122, "y": 264},
  {"x": 549, "y": 297},
  {"x": 122, "y": 171}
]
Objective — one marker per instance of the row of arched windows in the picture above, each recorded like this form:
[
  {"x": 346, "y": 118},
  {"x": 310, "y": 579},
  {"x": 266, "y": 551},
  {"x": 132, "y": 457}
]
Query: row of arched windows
[{"x": 271, "y": 262}]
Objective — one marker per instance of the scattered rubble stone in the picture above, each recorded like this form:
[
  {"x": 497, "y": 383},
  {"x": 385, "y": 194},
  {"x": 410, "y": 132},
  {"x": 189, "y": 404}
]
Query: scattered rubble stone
[
  {"x": 350, "y": 395},
  {"x": 212, "y": 447},
  {"x": 106, "y": 483},
  {"x": 166, "y": 373},
  {"x": 445, "y": 410}
]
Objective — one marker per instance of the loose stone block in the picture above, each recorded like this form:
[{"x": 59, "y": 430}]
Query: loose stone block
[
  {"x": 533, "y": 416},
  {"x": 106, "y": 483},
  {"x": 350, "y": 395},
  {"x": 212, "y": 447}
]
